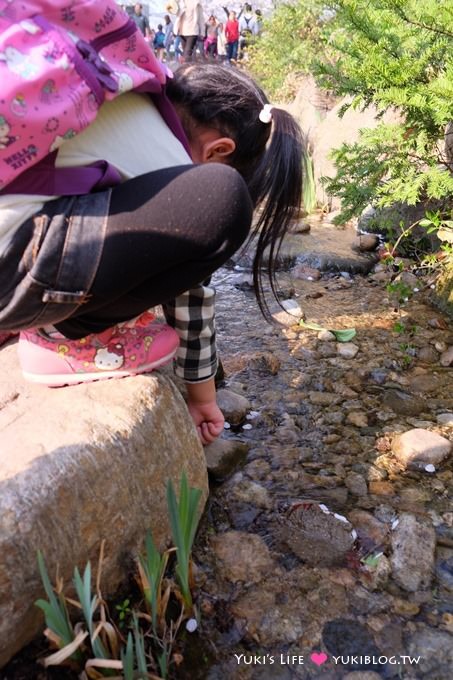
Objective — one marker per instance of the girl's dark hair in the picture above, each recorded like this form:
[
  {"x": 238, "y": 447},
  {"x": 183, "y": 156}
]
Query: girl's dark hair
[{"x": 268, "y": 154}]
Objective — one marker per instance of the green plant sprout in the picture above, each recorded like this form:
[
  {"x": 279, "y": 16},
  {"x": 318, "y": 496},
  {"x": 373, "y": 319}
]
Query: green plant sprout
[
  {"x": 124, "y": 611},
  {"x": 184, "y": 521},
  {"x": 146, "y": 653},
  {"x": 400, "y": 290},
  {"x": 89, "y": 605},
  {"x": 55, "y": 611},
  {"x": 152, "y": 567},
  {"x": 133, "y": 657}
]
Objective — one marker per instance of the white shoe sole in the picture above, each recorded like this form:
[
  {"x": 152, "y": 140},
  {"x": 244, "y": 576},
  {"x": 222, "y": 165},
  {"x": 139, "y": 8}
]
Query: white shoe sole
[{"x": 58, "y": 380}]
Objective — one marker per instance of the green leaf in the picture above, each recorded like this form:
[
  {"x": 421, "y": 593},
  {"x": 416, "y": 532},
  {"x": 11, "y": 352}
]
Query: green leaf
[
  {"x": 345, "y": 335},
  {"x": 311, "y": 326},
  {"x": 341, "y": 335}
]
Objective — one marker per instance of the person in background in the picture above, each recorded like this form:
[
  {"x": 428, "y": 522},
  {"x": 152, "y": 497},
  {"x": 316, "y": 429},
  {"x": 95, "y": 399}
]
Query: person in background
[
  {"x": 210, "y": 41},
  {"x": 141, "y": 20},
  {"x": 190, "y": 25},
  {"x": 221, "y": 43},
  {"x": 159, "y": 43},
  {"x": 247, "y": 29},
  {"x": 169, "y": 36},
  {"x": 232, "y": 36},
  {"x": 258, "y": 22}
]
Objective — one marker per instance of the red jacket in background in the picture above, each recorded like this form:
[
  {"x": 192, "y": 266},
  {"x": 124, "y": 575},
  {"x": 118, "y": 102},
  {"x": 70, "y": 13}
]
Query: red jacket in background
[{"x": 232, "y": 30}]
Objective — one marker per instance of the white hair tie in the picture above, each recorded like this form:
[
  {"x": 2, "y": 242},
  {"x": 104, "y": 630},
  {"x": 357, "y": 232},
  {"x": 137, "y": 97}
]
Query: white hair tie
[{"x": 266, "y": 113}]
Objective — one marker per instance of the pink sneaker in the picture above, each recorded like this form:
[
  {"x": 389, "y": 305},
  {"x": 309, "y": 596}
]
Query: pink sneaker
[{"x": 117, "y": 352}]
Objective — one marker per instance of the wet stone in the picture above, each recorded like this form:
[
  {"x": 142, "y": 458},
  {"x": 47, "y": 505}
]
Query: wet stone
[
  {"x": 356, "y": 484},
  {"x": 378, "y": 376},
  {"x": 402, "y": 403},
  {"x": 265, "y": 362},
  {"x": 413, "y": 544},
  {"x": 326, "y": 336},
  {"x": 428, "y": 355},
  {"x": 285, "y": 607},
  {"x": 223, "y": 456},
  {"x": 233, "y": 406},
  {"x": 370, "y": 531},
  {"x": 347, "y": 638},
  {"x": 444, "y": 568},
  {"x": 323, "y": 398},
  {"x": 316, "y": 536},
  {"x": 347, "y": 350},
  {"x": 247, "y": 491},
  {"x": 424, "y": 383},
  {"x": 420, "y": 447},
  {"x": 435, "y": 651},
  {"x": 446, "y": 358},
  {"x": 242, "y": 556},
  {"x": 357, "y": 418},
  {"x": 445, "y": 419}
]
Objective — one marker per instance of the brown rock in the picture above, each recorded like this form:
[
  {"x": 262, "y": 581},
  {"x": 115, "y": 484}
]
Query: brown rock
[
  {"x": 79, "y": 465},
  {"x": 223, "y": 456},
  {"x": 381, "y": 488},
  {"x": 242, "y": 556},
  {"x": 368, "y": 527},
  {"x": 365, "y": 242},
  {"x": 233, "y": 406}
]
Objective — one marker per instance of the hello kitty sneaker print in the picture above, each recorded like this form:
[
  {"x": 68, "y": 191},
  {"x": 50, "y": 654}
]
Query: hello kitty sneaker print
[{"x": 120, "y": 351}]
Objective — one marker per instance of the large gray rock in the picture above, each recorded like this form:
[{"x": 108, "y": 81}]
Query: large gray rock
[
  {"x": 412, "y": 560},
  {"x": 78, "y": 465}
]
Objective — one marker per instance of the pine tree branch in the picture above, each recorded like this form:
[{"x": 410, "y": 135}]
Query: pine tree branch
[{"x": 412, "y": 22}]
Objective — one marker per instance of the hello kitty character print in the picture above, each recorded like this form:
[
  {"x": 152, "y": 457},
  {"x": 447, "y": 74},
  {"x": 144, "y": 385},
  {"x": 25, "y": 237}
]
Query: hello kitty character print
[
  {"x": 64, "y": 62},
  {"x": 109, "y": 358}
]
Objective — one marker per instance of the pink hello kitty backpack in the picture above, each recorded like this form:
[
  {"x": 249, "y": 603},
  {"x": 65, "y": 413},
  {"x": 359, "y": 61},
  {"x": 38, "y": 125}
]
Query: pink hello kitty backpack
[{"x": 59, "y": 61}]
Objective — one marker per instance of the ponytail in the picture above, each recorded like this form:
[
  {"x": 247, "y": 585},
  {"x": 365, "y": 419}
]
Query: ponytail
[
  {"x": 268, "y": 154},
  {"x": 276, "y": 185}
]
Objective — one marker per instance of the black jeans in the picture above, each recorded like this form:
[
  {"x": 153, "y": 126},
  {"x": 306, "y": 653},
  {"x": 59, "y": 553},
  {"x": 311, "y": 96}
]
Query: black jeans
[{"x": 86, "y": 263}]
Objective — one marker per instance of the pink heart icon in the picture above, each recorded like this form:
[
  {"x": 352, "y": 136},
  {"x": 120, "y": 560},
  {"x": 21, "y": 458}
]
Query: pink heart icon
[{"x": 318, "y": 658}]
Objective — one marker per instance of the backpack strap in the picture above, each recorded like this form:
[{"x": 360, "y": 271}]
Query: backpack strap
[{"x": 44, "y": 179}]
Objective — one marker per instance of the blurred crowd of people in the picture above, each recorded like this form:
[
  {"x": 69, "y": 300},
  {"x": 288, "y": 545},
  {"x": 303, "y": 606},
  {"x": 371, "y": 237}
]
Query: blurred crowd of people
[{"x": 186, "y": 35}]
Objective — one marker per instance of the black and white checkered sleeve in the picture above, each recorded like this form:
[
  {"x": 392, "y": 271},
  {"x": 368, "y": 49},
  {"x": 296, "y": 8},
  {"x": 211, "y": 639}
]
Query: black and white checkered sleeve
[{"x": 192, "y": 315}]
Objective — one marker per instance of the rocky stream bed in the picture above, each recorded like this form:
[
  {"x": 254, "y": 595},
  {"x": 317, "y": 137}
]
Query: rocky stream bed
[{"x": 326, "y": 549}]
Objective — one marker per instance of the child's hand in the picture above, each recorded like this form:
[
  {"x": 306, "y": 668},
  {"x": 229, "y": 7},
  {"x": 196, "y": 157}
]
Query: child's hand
[
  {"x": 206, "y": 415},
  {"x": 208, "y": 419}
]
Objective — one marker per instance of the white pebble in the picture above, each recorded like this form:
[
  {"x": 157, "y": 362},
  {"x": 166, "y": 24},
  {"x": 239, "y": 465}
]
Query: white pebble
[
  {"x": 247, "y": 426},
  {"x": 395, "y": 524},
  {"x": 252, "y": 415},
  {"x": 226, "y": 426},
  {"x": 191, "y": 625},
  {"x": 354, "y": 534},
  {"x": 324, "y": 508},
  {"x": 430, "y": 468},
  {"x": 340, "y": 517}
]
